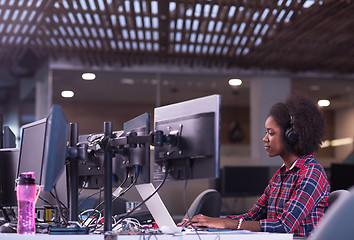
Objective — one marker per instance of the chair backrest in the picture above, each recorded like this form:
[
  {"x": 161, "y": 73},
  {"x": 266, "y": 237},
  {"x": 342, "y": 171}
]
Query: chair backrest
[
  {"x": 337, "y": 223},
  {"x": 335, "y": 195},
  {"x": 207, "y": 203}
]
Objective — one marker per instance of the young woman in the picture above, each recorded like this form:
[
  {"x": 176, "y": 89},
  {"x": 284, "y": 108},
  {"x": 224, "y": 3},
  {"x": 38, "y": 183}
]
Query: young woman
[{"x": 296, "y": 197}]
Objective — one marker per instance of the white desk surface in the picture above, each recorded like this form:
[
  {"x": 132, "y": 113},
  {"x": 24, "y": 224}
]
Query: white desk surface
[{"x": 202, "y": 236}]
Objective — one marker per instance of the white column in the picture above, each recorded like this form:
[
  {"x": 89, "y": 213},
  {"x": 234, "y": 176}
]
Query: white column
[
  {"x": 44, "y": 90},
  {"x": 265, "y": 91}
]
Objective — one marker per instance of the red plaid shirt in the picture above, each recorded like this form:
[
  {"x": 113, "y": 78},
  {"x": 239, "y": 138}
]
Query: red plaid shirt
[{"x": 294, "y": 201}]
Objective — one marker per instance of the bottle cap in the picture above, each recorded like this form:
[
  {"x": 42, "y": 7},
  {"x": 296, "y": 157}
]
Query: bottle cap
[{"x": 27, "y": 178}]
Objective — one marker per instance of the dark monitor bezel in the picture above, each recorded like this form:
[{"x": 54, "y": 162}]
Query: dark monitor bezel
[
  {"x": 8, "y": 167},
  {"x": 38, "y": 176},
  {"x": 191, "y": 109},
  {"x": 55, "y": 147},
  {"x": 140, "y": 125}
]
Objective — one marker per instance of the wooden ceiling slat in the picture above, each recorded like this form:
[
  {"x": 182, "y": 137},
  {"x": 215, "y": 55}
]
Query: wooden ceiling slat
[
  {"x": 143, "y": 29},
  {"x": 91, "y": 26},
  {"x": 36, "y": 23},
  {"x": 174, "y": 18},
  {"x": 306, "y": 30},
  {"x": 225, "y": 10},
  {"x": 204, "y": 31},
  {"x": 76, "y": 36},
  {"x": 164, "y": 26},
  {"x": 109, "y": 13},
  {"x": 199, "y": 33},
  {"x": 128, "y": 24},
  {"x": 317, "y": 37},
  {"x": 184, "y": 30},
  {"x": 191, "y": 32},
  {"x": 207, "y": 61},
  {"x": 119, "y": 28},
  {"x": 239, "y": 19},
  {"x": 149, "y": 11},
  {"x": 247, "y": 32},
  {"x": 104, "y": 26},
  {"x": 62, "y": 36},
  {"x": 132, "y": 27},
  {"x": 228, "y": 32}
]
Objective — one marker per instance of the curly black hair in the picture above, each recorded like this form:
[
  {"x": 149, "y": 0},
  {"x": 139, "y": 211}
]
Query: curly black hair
[{"x": 308, "y": 123}]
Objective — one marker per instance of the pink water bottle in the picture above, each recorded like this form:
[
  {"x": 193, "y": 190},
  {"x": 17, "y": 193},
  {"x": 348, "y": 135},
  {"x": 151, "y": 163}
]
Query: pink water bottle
[{"x": 26, "y": 200}]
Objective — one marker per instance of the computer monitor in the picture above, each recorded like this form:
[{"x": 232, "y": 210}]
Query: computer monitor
[
  {"x": 230, "y": 175},
  {"x": 341, "y": 176},
  {"x": 8, "y": 138},
  {"x": 54, "y": 157},
  {"x": 139, "y": 155},
  {"x": 194, "y": 125},
  {"x": 8, "y": 168},
  {"x": 43, "y": 151},
  {"x": 32, "y": 148}
]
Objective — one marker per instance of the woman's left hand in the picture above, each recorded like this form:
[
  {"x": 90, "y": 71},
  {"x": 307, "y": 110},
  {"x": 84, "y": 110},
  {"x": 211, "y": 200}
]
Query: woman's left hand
[{"x": 201, "y": 220}]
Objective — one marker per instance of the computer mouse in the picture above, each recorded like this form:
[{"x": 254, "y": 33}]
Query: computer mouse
[{"x": 7, "y": 228}]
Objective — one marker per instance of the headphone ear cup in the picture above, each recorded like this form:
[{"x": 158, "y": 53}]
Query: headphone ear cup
[{"x": 291, "y": 136}]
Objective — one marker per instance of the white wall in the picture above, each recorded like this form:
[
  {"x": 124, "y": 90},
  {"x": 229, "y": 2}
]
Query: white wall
[{"x": 344, "y": 127}]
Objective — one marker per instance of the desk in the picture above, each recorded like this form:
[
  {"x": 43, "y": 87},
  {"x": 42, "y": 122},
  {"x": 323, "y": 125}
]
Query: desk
[{"x": 202, "y": 236}]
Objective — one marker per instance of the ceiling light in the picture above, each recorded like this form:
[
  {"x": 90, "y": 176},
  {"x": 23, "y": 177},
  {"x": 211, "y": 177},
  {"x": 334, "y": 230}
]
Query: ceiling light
[
  {"x": 341, "y": 141},
  {"x": 235, "y": 82},
  {"x": 314, "y": 88},
  {"x": 337, "y": 142},
  {"x": 326, "y": 143},
  {"x": 127, "y": 81},
  {"x": 323, "y": 103},
  {"x": 88, "y": 76},
  {"x": 67, "y": 94}
]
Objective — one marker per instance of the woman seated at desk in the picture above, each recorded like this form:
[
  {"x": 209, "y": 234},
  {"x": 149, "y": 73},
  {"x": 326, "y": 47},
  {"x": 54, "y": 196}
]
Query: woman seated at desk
[{"x": 295, "y": 199}]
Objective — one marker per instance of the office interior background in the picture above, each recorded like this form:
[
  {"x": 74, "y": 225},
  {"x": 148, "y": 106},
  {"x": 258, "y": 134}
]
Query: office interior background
[{"x": 150, "y": 53}]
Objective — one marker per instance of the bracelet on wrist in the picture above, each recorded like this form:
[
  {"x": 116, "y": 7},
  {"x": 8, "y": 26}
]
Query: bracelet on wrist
[{"x": 239, "y": 223}]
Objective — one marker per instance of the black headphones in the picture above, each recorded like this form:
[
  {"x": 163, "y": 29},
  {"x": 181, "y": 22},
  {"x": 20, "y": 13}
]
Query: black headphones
[{"x": 290, "y": 135}]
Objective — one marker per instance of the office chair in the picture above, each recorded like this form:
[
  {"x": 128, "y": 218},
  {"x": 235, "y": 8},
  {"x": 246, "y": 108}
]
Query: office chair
[
  {"x": 335, "y": 195},
  {"x": 207, "y": 203},
  {"x": 337, "y": 223}
]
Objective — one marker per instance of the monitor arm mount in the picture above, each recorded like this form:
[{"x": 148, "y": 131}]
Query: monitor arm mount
[
  {"x": 75, "y": 152},
  {"x": 111, "y": 145}
]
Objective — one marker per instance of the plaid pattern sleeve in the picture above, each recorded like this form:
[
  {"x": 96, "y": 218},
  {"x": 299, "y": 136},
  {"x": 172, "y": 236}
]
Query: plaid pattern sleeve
[{"x": 294, "y": 201}]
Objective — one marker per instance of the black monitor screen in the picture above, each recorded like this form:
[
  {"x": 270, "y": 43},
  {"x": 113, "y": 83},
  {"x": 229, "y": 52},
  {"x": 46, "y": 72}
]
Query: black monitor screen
[
  {"x": 341, "y": 176},
  {"x": 232, "y": 181},
  {"x": 8, "y": 169},
  {"x": 43, "y": 151},
  {"x": 9, "y": 138},
  {"x": 32, "y": 149},
  {"x": 194, "y": 154}
]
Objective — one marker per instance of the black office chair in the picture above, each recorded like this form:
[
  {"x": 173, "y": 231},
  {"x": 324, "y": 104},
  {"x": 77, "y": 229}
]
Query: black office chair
[{"x": 207, "y": 203}]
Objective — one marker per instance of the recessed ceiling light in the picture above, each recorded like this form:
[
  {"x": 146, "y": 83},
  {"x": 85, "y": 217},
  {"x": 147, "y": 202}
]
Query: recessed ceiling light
[
  {"x": 67, "y": 94},
  {"x": 323, "y": 103},
  {"x": 235, "y": 82},
  {"x": 127, "y": 81},
  {"x": 314, "y": 88},
  {"x": 88, "y": 76}
]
